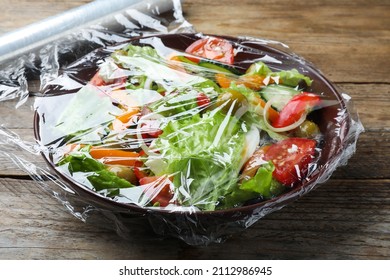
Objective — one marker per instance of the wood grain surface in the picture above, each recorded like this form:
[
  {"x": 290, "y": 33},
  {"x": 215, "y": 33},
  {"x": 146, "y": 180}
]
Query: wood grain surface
[{"x": 348, "y": 217}]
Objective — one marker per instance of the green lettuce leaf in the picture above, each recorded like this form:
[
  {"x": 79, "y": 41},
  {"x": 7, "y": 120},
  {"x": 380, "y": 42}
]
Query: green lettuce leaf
[
  {"x": 261, "y": 182},
  {"x": 95, "y": 172},
  {"x": 259, "y": 68},
  {"x": 288, "y": 77},
  {"x": 261, "y": 185},
  {"x": 292, "y": 78},
  {"x": 204, "y": 154}
]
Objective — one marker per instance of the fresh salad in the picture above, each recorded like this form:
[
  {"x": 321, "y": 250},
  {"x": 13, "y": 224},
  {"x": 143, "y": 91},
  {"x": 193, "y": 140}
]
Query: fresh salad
[{"x": 159, "y": 127}]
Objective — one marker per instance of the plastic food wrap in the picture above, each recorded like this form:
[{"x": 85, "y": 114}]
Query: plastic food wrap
[{"x": 196, "y": 136}]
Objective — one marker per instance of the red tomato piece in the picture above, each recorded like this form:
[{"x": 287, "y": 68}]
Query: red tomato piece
[
  {"x": 202, "y": 100},
  {"x": 296, "y": 108},
  {"x": 158, "y": 188},
  {"x": 212, "y": 48},
  {"x": 151, "y": 129},
  {"x": 138, "y": 170},
  {"x": 291, "y": 158},
  {"x": 97, "y": 80},
  {"x": 139, "y": 173}
]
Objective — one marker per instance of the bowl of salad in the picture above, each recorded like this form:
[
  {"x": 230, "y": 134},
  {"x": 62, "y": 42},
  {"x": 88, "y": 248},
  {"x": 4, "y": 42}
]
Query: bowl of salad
[{"x": 200, "y": 134}]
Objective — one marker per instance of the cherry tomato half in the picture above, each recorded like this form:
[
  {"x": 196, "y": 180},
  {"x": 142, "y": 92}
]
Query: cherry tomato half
[
  {"x": 212, "y": 48},
  {"x": 291, "y": 158}
]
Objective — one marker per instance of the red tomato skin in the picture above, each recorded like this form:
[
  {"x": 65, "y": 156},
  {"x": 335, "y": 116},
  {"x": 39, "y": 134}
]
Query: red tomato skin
[
  {"x": 151, "y": 129},
  {"x": 164, "y": 195},
  {"x": 289, "y": 155},
  {"x": 202, "y": 100},
  {"x": 295, "y": 108},
  {"x": 97, "y": 80},
  {"x": 212, "y": 48},
  {"x": 139, "y": 173}
]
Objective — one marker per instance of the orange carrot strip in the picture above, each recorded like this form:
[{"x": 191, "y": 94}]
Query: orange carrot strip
[
  {"x": 272, "y": 113},
  {"x": 126, "y": 117},
  {"x": 114, "y": 156},
  {"x": 254, "y": 82}
]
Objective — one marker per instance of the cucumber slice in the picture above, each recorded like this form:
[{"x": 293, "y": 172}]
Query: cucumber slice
[
  {"x": 186, "y": 60},
  {"x": 219, "y": 67},
  {"x": 280, "y": 95}
]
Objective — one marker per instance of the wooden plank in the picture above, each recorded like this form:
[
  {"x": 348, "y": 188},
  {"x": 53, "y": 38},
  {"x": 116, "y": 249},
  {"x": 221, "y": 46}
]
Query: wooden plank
[
  {"x": 343, "y": 219},
  {"x": 371, "y": 158},
  {"x": 322, "y": 32},
  {"x": 371, "y": 102}
]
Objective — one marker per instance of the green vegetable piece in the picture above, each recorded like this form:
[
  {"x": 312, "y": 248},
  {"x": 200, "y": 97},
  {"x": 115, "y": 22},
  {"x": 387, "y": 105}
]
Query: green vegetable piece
[
  {"x": 261, "y": 182},
  {"x": 218, "y": 67},
  {"x": 261, "y": 185},
  {"x": 259, "y": 68},
  {"x": 237, "y": 198},
  {"x": 204, "y": 152},
  {"x": 144, "y": 51},
  {"x": 292, "y": 78},
  {"x": 97, "y": 174},
  {"x": 186, "y": 60}
]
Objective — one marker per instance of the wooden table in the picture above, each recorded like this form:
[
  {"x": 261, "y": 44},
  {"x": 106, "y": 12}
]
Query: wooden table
[{"x": 348, "y": 217}]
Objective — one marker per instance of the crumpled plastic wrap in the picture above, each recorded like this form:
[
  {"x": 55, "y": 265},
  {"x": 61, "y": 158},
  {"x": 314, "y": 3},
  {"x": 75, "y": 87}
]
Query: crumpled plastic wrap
[{"x": 149, "y": 134}]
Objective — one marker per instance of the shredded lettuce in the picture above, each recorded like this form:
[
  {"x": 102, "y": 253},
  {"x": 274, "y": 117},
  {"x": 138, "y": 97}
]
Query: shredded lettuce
[{"x": 204, "y": 154}]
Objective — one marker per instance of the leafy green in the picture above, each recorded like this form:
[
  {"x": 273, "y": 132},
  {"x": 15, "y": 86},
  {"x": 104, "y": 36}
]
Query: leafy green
[
  {"x": 288, "y": 77},
  {"x": 96, "y": 172},
  {"x": 133, "y": 50},
  {"x": 204, "y": 154},
  {"x": 292, "y": 77},
  {"x": 259, "y": 68},
  {"x": 261, "y": 185},
  {"x": 261, "y": 182}
]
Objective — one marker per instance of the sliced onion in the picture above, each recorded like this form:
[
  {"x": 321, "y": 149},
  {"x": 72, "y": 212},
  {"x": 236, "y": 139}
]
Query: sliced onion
[
  {"x": 148, "y": 83},
  {"x": 280, "y": 129},
  {"x": 143, "y": 146}
]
